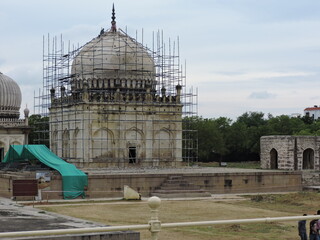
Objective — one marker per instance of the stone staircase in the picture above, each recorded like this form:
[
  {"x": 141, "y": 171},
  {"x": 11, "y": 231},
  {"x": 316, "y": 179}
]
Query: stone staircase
[{"x": 178, "y": 187}]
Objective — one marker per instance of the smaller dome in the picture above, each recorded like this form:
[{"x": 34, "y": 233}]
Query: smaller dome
[{"x": 10, "y": 97}]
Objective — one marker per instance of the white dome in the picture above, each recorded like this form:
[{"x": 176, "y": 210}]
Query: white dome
[
  {"x": 114, "y": 55},
  {"x": 10, "y": 97}
]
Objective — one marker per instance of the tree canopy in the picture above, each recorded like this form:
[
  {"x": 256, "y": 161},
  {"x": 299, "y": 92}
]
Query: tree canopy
[
  {"x": 239, "y": 140},
  {"x": 40, "y": 130}
]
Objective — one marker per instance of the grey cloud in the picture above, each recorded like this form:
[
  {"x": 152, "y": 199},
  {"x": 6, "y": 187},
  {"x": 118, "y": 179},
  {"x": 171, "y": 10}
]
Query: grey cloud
[
  {"x": 2, "y": 61},
  {"x": 28, "y": 74},
  {"x": 262, "y": 95}
]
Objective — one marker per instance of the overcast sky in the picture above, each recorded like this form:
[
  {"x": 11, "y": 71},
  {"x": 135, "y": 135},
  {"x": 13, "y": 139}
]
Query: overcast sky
[{"x": 242, "y": 55}]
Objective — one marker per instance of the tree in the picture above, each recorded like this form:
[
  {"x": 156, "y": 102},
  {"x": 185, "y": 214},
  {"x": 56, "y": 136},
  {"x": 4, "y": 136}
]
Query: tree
[
  {"x": 217, "y": 130},
  {"x": 284, "y": 125},
  {"x": 211, "y": 136},
  {"x": 244, "y": 136},
  {"x": 307, "y": 119},
  {"x": 40, "y": 130},
  {"x": 240, "y": 140},
  {"x": 252, "y": 119}
]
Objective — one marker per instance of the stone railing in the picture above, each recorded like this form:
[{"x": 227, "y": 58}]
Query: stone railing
[{"x": 12, "y": 122}]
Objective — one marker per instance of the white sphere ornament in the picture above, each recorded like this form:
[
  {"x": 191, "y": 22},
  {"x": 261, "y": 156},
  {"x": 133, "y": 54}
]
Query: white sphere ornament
[{"x": 154, "y": 202}]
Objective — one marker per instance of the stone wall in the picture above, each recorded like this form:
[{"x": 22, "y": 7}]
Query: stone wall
[
  {"x": 310, "y": 178},
  {"x": 111, "y": 185},
  {"x": 290, "y": 152}
]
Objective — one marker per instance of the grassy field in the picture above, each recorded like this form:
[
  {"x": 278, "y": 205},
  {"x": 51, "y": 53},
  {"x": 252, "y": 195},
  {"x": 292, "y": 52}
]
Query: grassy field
[
  {"x": 250, "y": 165},
  {"x": 255, "y": 206}
]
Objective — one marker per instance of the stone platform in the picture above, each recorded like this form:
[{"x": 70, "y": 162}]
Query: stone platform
[{"x": 109, "y": 183}]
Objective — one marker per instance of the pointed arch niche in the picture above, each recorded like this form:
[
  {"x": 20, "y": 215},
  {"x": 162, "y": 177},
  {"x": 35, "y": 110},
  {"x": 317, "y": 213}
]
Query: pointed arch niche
[
  {"x": 308, "y": 159},
  {"x": 162, "y": 144},
  {"x": 75, "y": 143},
  {"x": 103, "y": 143},
  {"x": 2, "y": 148},
  {"x": 273, "y": 159},
  {"x": 65, "y": 144}
]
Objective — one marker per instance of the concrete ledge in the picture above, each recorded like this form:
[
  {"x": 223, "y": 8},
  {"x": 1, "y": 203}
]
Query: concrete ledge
[{"x": 94, "y": 236}]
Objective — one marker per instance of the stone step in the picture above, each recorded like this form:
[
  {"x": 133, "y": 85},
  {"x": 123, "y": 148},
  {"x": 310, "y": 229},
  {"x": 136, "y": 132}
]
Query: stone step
[
  {"x": 312, "y": 188},
  {"x": 165, "y": 184},
  {"x": 178, "y": 188},
  {"x": 175, "y": 177},
  {"x": 176, "y": 181},
  {"x": 179, "y": 191},
  {"x": 181, "y": 194}
]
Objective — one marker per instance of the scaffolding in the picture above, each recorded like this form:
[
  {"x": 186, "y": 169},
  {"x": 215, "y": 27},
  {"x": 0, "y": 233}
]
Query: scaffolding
[{"x": 141, "y": 112}]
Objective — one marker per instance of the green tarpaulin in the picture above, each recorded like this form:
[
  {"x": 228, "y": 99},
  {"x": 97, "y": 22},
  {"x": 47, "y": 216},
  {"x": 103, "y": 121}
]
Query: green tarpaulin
[{"x": 73, "y": 180}]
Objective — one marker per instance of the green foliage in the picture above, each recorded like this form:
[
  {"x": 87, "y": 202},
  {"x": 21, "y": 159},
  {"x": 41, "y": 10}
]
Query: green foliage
[
  {"x": 40, "y": 130},
  {"x": 212, "y": 141},
  {"x": 223, "y": 139}
]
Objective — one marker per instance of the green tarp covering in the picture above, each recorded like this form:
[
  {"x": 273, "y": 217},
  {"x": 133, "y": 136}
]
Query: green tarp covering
[{"x": 73, "y": 180}]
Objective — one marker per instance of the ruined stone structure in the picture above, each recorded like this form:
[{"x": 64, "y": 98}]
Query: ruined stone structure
[
  {"x": 13, "y": 131},
  {"x": 290, "y": 152},
  {"x": 121, "y": 105}
]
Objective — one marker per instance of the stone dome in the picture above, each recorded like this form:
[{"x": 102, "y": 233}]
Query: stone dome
[
  {"x": 114, "y": 56},
  {"x": 10, "y": 97}
]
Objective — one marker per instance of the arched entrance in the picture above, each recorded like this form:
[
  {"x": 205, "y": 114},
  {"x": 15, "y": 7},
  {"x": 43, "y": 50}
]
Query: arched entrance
[
  {"x": 1, "y": 151},
  {"x": 308, "y": 159},
  {"x": 136, "y": 152},
  {"x": 273, "y": 159}
]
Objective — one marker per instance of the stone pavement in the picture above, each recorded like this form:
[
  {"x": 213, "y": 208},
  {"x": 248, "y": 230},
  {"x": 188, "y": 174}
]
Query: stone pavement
[{"x": 16, "y": 217}]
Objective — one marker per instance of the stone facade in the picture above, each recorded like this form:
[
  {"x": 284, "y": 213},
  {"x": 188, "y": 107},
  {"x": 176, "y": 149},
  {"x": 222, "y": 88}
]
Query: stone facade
[
  {"x": 117, "y": 134},
  {"x": 290, "y": 152}
]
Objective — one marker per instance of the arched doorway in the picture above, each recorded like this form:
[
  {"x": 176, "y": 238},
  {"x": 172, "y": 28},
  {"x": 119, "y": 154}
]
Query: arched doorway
[
  {"x": 136, "y": 152},
  {"x": 308, "y": 159},
  {"x": 273, "y": 159},
  {"x": 1, "y": 151}
]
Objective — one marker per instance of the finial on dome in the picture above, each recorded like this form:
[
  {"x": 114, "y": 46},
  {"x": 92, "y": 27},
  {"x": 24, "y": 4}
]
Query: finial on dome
[
  {"x": 26, "y": 111},
  {"x": 113, "y": 22}
]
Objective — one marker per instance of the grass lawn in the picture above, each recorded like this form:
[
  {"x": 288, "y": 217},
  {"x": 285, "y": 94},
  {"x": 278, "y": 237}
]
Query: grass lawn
[
  {"x": 250, "y": 165},
  {"x": 257, "y": 206}
]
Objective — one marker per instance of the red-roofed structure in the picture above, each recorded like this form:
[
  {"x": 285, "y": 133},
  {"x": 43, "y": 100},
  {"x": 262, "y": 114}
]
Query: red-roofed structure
[{"x": 313, "y": 112}]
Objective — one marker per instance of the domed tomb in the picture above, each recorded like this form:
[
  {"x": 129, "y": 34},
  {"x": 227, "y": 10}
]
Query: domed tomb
[
  {"x": 109, "y": 112},
  {"x": 116, "y": 60},
  {"x": 10, "y": 97}
]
